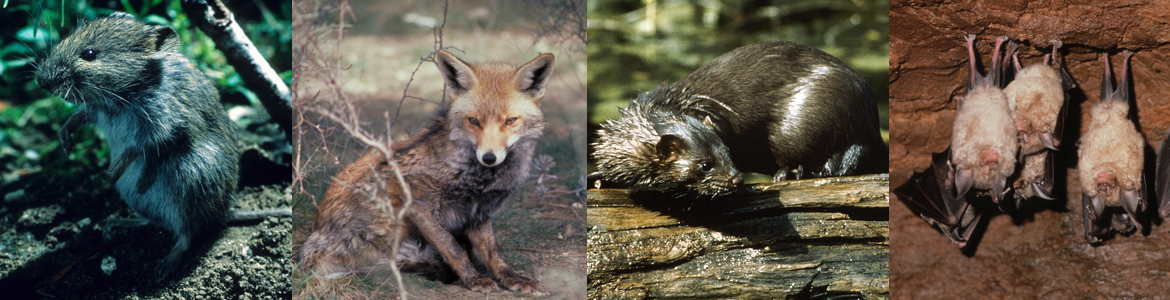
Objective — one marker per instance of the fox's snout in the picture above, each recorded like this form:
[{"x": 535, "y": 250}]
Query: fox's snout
[
  {"x": 493, "y": 140},
  {"x": 490, "y": 159}
]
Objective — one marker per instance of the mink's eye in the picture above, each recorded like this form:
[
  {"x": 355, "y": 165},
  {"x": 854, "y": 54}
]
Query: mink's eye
[
  {"x": 89, "y": 54},
  {"x": 473, "y": 121},
  {"x": 705, "y": 167},
  {"x": 510, "y": 121}
]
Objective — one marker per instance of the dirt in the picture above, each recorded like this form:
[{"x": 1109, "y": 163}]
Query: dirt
[
  {"x": 54, "y": 244},
  {"x": 1041, "y": 252}
]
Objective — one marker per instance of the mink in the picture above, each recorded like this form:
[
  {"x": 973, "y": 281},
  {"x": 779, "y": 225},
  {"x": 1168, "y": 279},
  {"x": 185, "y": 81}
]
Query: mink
[{"x": 778, "y": 108}]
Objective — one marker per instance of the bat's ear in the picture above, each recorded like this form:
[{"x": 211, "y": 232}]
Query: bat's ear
[{"x": 964, "y": 179}]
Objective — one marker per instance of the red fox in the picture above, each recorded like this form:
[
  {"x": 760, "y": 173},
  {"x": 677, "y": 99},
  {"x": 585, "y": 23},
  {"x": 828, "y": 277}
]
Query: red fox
[{"x": 460, "y": 168}]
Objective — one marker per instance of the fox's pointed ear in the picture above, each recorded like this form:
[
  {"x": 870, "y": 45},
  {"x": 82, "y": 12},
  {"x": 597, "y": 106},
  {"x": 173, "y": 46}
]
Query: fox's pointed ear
[
  {"x": 456, "y": 74},
  {"x": 533, "y": 75}
]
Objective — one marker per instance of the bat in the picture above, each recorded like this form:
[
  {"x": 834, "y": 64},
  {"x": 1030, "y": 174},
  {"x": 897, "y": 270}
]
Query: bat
[
  {"x": 1038, "y": 98},
  {"x": 931, "y": 196},
  {"x": 1110, "y": 160},
  {"x": 983, "y": 142}
]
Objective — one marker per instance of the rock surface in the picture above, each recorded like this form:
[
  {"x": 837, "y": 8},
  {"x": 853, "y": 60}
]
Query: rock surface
[{"x": 1042, "y": 252}]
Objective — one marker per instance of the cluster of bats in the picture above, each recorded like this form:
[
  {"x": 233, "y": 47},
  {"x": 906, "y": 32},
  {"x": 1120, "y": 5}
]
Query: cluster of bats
[{"x": 1008, "y": 131}]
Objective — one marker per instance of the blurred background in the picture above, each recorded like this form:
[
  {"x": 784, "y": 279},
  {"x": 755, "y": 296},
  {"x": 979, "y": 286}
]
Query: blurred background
[
  {"x": 637, "y": 44},
  {"x": 382, "y": 66}
]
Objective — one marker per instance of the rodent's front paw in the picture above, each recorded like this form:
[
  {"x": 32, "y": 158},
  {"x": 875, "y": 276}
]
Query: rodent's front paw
[
  {"x": 517, "y": 283},
  {"x": 480, "y": 283},
  {"x": 66, "y": 141}
]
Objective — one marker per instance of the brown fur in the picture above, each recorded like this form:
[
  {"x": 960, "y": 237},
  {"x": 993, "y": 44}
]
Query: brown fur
[{"x": 460, "y": 168}]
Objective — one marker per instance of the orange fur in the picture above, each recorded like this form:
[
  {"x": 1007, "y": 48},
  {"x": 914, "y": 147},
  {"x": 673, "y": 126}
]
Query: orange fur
[{"x": 460, "y": 168}]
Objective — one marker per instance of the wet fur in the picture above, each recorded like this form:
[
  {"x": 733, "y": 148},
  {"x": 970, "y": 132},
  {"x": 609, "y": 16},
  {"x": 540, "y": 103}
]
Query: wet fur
[
  {"x": 816, "y": 114},
  {"x": 455, "y": 191},
  {"x": 656, "y": 147}
]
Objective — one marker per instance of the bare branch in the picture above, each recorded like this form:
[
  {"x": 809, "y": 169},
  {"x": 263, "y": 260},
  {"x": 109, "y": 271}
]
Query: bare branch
[{"x": 217, "y": 22}]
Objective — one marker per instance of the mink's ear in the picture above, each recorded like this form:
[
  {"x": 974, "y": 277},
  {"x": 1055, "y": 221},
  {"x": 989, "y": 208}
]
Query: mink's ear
[
  {"x": 457, "y": 75},
  {"x": 533, "y": 75}
]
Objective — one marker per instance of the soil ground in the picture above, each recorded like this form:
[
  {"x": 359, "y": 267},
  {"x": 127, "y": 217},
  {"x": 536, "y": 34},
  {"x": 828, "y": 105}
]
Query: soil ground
[{"x": 55, "y": 209}]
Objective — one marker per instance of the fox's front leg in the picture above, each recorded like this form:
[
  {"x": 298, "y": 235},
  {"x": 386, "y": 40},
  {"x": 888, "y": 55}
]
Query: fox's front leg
[
  {"x": 445, "y": 243},
  {"x": 483, "y": 242}
]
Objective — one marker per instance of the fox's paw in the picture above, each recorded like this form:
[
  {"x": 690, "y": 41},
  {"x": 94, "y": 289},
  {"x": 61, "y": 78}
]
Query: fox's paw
[
  {"x": 517, "y": 283},
  {"x": 480, "y": 283}
]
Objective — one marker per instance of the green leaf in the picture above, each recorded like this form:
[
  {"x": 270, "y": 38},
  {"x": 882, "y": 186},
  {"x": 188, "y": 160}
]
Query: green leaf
[{"x": 156, "y": 19}]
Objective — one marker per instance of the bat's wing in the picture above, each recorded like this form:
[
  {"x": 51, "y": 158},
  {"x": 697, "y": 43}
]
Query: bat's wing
[
  {"x": 931, "y": 196},
  {"x": 1162, "y": 178},
  {"x": 1047, "y": 184}
]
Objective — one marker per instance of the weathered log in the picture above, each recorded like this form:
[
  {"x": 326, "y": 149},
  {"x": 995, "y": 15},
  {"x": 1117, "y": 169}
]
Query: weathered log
[{"x": 818, "y": 238}]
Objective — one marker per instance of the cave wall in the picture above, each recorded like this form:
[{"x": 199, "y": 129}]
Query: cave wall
[
  {"x": 928, "y": 61},
  {"x": 1040, "y": 252}
]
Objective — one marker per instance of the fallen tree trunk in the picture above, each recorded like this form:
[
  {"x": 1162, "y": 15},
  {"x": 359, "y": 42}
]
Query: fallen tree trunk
[{"x": 818, "y": 238}]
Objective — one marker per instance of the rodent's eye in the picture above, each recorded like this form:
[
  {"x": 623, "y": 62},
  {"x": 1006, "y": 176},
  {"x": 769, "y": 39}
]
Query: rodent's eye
[
  {"x": 510, "y": 121},
  {"x": 473, "y": 121},
  {"x": 89, "y": 54}
]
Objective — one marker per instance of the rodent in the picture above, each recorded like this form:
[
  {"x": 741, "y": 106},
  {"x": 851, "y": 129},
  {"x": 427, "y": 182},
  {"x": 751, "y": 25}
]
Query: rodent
[
  {"x": 777, "y": 108},
  {"x": 172, "y": 146}
]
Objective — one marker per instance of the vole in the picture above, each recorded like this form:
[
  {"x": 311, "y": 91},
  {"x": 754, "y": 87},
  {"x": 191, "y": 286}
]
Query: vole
[
  {"x": 172, "y": 146},
  {"x": 983, "y": 143},
  {"x": 1111, "y": 158},
  {"x": 777, "y": 107}
]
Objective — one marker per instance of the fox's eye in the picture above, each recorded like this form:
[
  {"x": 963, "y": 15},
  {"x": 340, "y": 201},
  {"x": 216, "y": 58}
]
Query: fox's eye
[
  {"x": 473, "y": 121},
  {"x": 510, "y": 121},
  {"x": 89, "y": 54}
]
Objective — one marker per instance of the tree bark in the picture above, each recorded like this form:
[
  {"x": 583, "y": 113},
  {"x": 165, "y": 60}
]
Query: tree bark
[{"x": 795, "y": 239}]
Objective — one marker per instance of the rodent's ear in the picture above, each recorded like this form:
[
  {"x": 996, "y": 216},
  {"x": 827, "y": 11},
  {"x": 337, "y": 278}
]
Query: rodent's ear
[
  {"x": 165, "y": 39},
  {"x": 533, "y": 76},
  {"x": 457, "y": 75},
  {"x": 119, "y": 14},
  {"x": 670, "y": 147}
]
